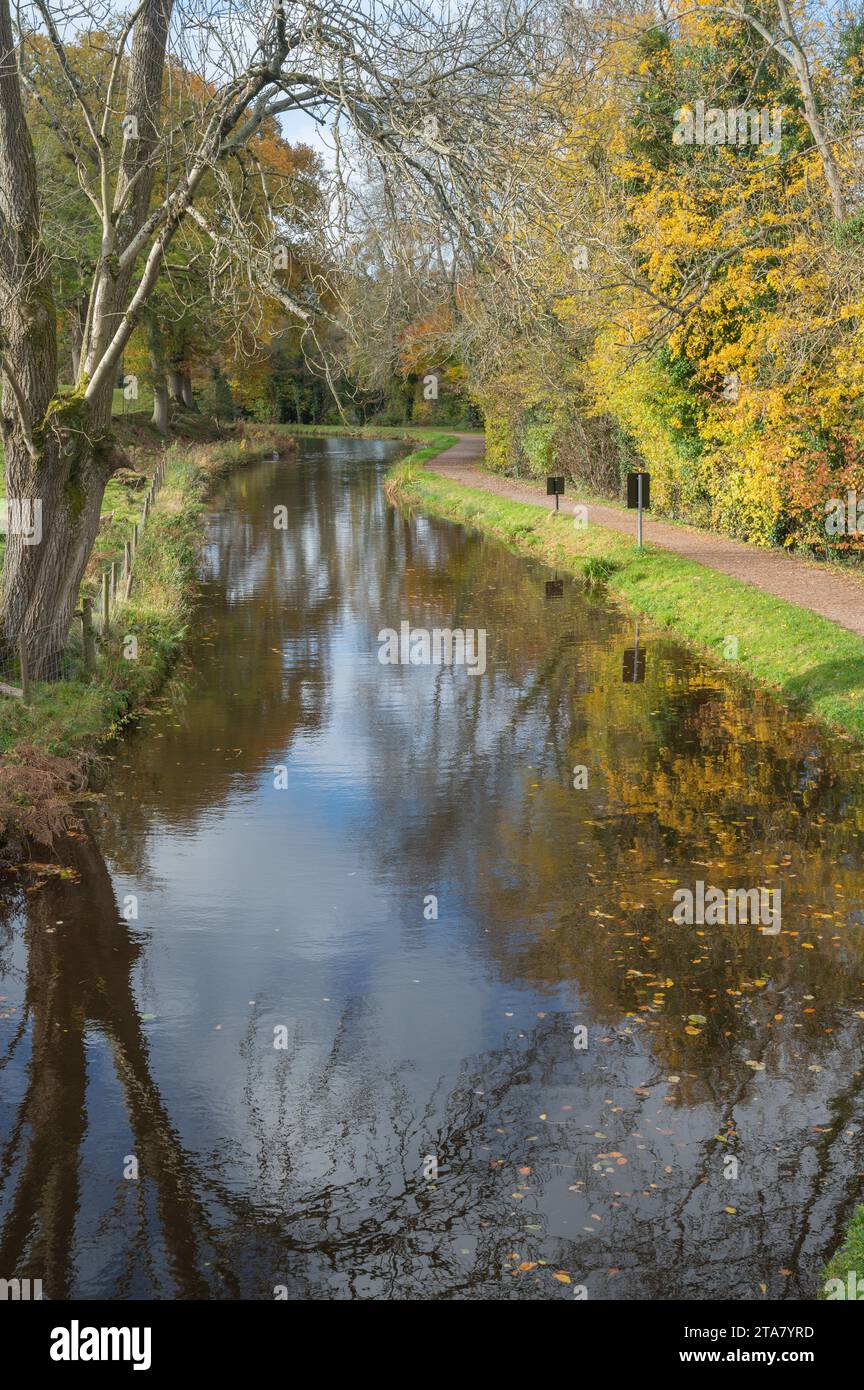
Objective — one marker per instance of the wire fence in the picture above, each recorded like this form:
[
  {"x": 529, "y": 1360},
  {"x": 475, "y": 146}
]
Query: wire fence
[
  {"x": 47, "y": 653},
  {"x": 59, "y": 652}
]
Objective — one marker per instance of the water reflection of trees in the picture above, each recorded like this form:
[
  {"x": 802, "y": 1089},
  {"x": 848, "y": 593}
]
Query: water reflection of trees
[
  {"x": 683, "y": 771},
  {"x": 686, "y": 780},
  {"x": 80, "y": 958},
  {"x": 339, "y": 1207},
  {"x": 261, "y": 671}
]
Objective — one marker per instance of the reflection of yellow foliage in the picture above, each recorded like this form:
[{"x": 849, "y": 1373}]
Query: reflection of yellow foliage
[{"x": 685, "y": 781}]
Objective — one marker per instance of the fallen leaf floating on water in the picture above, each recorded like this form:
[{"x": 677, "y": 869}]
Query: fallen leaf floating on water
[{"x": 562, "y": 1277}]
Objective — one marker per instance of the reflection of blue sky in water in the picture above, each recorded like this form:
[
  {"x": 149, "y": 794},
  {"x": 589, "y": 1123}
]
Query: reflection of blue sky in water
[{"x": 454, "y": 1037}]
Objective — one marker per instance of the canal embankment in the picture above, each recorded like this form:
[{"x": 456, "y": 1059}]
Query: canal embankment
[
  {"x": 806, "y": 659},
  {"x": 50, "y": 741}
]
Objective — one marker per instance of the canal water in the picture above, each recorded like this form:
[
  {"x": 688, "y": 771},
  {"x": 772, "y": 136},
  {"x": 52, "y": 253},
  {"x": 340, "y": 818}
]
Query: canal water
[{"x": 363, "y": 980}]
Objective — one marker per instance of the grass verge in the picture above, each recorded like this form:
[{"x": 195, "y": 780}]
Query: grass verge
[
  {"x": 849, "y": 1258},
  {"x": 410, "y": 434},
  {"x": 808, "y": 661},
  {"x": 58, "y": 730}
]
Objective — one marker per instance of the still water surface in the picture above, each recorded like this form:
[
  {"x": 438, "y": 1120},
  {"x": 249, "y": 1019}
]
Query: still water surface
[{"x": 295, "y": 914}]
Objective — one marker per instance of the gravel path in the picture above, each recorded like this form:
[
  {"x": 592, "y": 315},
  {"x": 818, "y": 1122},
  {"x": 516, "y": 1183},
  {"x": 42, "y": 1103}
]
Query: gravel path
[{"x": 824, "y": 589}]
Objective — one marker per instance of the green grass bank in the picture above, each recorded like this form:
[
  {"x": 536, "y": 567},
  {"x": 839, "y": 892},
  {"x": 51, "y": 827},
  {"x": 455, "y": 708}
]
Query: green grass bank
[
  {"x": 807, "y": 661},
  {"x": 849, "y": 1259},
  {"x": 47, "y": 744},
  {"x": 442, "y": 436}
]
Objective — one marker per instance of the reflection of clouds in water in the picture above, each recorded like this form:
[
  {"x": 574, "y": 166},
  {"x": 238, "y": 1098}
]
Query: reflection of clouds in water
[{"x": 553, "y": 908}]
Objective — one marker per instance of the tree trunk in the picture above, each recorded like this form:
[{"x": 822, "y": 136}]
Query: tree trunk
[
  {"x": 801, "y": 65},
  {"x": 29, "y": 362},
  {"x": 76, "y": 335},
  {"x": 796, "y": 56},
  {"x": 134, "y": 178},
  {"x": 156, "y": 351},
  {"x": 160, "y": 406},
  {"x": 59, "y": 452},
  {"x": 42, "y": 573},
  {"x": 830, "y": 169},
  {"x": 186, "y": 391},
  {"x": 175, "y": 385}
]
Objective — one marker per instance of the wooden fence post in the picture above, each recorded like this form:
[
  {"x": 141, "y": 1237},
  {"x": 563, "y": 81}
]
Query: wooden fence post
[
  {"x": 87, "y": 635},
  {"x": 106, "y": 603},
  {"x": 113, "y": 583},
  {"x": 127, "y": 559},
  {"x": 25, "y": 671}
]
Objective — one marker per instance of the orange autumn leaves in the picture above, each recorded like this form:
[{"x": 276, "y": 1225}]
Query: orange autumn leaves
[{"x": 525, "y": 1266}]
